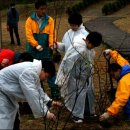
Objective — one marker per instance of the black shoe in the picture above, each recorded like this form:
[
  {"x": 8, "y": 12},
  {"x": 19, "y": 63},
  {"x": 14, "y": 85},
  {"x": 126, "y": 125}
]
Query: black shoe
[
  {"x": 77, "y": 119},
  {"x": 12, "y": 43},
  {"x": 90, "y": 116}
]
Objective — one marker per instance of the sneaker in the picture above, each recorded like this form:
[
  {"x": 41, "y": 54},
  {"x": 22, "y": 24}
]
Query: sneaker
[{"x": 77, "y": 119}]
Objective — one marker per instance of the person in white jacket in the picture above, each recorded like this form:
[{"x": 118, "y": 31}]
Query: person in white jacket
[
  {"x": 21, "y": 82},
  {"x": 76, "y": 27},
  {"x": 74, "y": 75}
]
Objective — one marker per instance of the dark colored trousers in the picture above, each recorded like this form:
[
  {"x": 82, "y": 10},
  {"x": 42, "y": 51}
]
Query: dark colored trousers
[
  {"x": 14, "y": 29},
  {"x": 17, "y": 122},
  {"x": 55, "y": 92}
]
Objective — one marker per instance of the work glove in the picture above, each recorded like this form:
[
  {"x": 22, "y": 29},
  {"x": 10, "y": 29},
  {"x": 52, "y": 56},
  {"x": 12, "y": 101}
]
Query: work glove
[
  {"x": 107, "y": 51},
  {"x": 39, "y": 48},
  {"x": 104, "y": 116},
  {"x": 55, "y": 45}
]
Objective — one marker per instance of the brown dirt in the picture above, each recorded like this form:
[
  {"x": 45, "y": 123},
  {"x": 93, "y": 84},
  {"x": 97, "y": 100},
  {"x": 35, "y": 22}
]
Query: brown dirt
[{"x": 27, "y": 121}]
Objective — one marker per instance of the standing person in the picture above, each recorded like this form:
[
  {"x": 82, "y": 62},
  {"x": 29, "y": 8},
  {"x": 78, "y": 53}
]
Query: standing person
[
  {"x": 12, "y": 23},
  {"x": 21, "y": 82},
  {"x": 76, "y": 27},
  {"x": 74, "y": 75},
  {"x": 120, "y": 71},
  {"x": 40, "y": 38}
]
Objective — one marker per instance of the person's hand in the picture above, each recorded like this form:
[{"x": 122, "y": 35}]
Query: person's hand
[
  {"x": 56, "y": 104},
  {"x": 39, "y": 48},
  {"x": 4, "y": 62},
  {"x": 104, "y": 116},
  {"x": 55, "y": 45},
  {"x": 50, "y": 116},
  {"x": 107, "y": 51}
]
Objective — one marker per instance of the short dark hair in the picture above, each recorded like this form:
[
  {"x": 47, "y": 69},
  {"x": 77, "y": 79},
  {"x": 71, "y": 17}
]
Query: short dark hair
[
  {"x": 95, "y": 38},
  {"x": 25, "y": 56},
  {"x": 49, "y": 67},
  {"x": 12, "y": 4},
  {"x": 75, "y": 18},
  {"x": 114, "y": 67},
  {"x": 40, "y": 3}
]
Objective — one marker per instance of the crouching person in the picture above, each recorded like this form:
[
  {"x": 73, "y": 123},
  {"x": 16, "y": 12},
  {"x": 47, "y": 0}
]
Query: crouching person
[
  {"x": 21, "y": 82},
  {"x": 120, "y": 71}
]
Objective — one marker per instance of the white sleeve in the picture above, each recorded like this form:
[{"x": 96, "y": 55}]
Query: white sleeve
[
  {"x": 61, "y": 46},
  {"x": 31, "y": 87}
]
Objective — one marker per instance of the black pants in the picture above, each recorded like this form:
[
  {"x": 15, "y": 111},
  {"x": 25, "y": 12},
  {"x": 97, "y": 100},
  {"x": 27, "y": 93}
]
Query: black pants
[
  {"x": 14, "y": 29},
  {"x": 17, "y": 122}
]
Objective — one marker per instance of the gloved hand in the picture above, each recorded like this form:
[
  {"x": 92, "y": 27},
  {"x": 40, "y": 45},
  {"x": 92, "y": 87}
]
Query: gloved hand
[
  {"x": 107, "y": 51},
  {"x": 55, "y": 45},
  {"x": 104, "y": 116},
  {"x": 39, "y": 48}
]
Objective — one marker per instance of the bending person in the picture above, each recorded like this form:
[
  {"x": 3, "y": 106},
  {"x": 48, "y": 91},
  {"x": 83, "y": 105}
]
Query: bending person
[
  {"x": 21, "y": 82},
  {"x": 120, "y": 71}
]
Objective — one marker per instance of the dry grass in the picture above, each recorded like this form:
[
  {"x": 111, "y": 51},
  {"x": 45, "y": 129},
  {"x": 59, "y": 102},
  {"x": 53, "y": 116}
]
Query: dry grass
[
  {"x": 124, "y": 22},
  {"x": 27, "y": 122}
]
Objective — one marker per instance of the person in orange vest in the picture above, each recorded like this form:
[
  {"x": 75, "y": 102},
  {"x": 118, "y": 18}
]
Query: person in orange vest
[
  {"x": 120, "y": 71},
  {"x": 40, "y": 37}
]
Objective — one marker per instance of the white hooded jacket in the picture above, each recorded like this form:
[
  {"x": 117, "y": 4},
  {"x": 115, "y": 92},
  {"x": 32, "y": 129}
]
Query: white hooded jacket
[
  {"x": 68, "y": 38},
  {"x": 74, "y": 77}
]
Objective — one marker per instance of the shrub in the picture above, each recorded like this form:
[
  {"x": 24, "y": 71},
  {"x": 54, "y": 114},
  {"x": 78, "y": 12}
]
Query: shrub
[
  {"x": 112, "y": 7},
  {"x": 80, "y": 6}
]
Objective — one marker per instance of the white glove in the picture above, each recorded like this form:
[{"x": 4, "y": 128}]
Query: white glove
[
  {"x": 104, "y": 116},
  {"x": 107, "y": 51},
  {"x": 39, "y": 48},
  {"x": 55, "y": 45}
]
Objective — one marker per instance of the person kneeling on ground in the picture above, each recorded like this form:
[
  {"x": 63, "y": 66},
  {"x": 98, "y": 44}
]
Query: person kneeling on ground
[
  {"x": 120, "y": 71},
  {"x": 9, "y": 57},
  {"x": 21, "y": 82}
]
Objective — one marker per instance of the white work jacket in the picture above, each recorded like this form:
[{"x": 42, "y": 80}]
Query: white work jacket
[
  {"x": 20, "y": 82},
  {"x": 75, "y": 77}
]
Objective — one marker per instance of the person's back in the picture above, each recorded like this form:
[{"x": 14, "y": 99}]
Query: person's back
[{"x": 11, "y": 76}]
